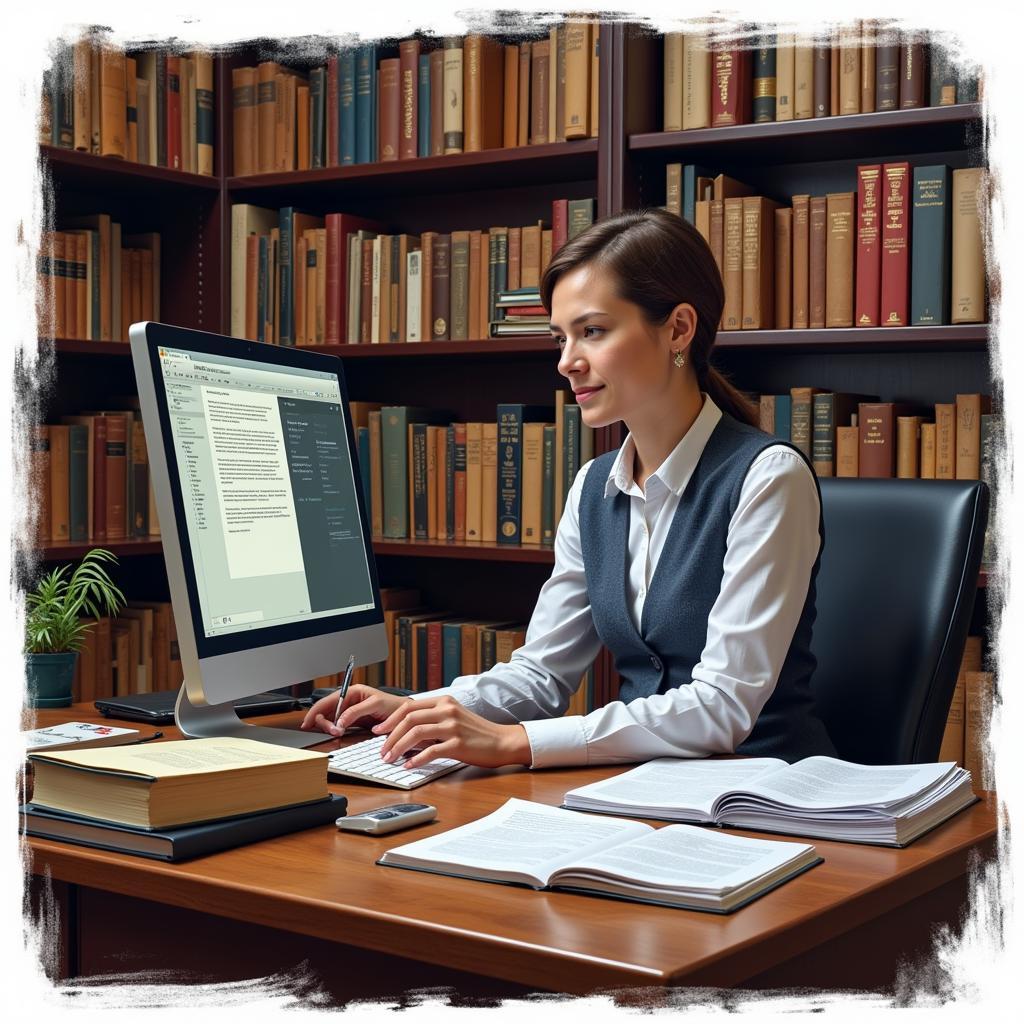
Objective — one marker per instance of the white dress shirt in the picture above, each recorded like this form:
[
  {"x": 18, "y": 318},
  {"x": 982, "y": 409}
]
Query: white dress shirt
[{"x": 771, "y": 546}]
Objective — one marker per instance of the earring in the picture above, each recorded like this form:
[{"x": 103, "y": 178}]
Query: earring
[{"x": 678, "y": 358}]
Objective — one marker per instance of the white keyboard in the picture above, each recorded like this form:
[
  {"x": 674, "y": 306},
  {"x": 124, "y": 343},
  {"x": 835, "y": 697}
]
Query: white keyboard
[{"x": 363, "y": 761}]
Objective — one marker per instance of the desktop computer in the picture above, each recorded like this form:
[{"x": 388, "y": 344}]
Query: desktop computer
[{"x": 264, "y": 526}]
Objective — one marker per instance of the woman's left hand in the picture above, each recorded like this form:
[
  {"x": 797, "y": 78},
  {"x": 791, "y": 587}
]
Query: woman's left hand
[{"x": 442, "y": 727}]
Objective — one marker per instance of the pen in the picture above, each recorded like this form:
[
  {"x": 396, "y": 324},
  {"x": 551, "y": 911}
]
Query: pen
[{"x": 344, "y": 686}]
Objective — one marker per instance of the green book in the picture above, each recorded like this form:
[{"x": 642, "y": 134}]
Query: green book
[
  {"x": 394, "y": 434},
  {"x": 930, "y": 246}
]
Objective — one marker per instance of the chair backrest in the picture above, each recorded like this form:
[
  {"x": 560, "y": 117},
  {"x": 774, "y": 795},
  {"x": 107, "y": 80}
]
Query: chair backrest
[{"x": 895, "y": 591}]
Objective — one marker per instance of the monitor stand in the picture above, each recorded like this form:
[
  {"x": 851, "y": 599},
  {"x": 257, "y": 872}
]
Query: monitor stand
[{"x": 218, "y": 720}]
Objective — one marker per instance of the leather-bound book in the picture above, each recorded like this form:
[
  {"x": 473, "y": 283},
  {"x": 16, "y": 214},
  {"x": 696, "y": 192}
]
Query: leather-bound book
[
  {"x": 515, "y": 258},
  {"x": 784, "y": 268},
  {"x": 697, "y": 81},
  {"x": 559, "y": 224},
  {"x": 945, "y": 441},
  {"x": 483, "y": 93},
  {"x": 830, "y": 411},
  {"x": 595, "y": 78},
  {"x": 408, "y": 85},
  {"x": 672, "y": 80},
  {"x": 489, "y": 482},
  {"x": 454, "y": 131},
  {"x": 459, "y": 285},
  {"x": 556, "y": 94},
  {"x": 303, "y": 145},
  {"x": 340, "y": 226},
  {"x": 440, "y": 300},
  {"x": 423, "y": 106},
  {"x": 437, "y": 105},
  {"x": 576, "y": 123},
  {"x": 390, "y": 109},
  {"x": 540, "y": 85},
  {"x": 732, "y": 86},
  {"x": 477, "y": 329},
  {"x": 732, "y": 258},
  {"x": 801, "y": 261},
  {"x": 716, "y": 239},
  {"x": 968, "y": 254},
  {"x": 510, "y": 104},
  {"x": 868, "y": 53},
  {"x": 60, "y": 482},
  {"x": 40, "y": 475},
  {"x": 674, "y": 189},
  {"x": 927, "y": 459},
  {"x": 785, "y": 76},
  {"x": 114, "y": 103},
  {"x": 366, "y": 317},
  {"x": 172, "y": 97},
  {"x": 764, "y": 81},
  {"x": 930, "y": 246},
  {"x": 83, "y": 85},
  {"x": 847, "y": 451},
  {"x": 969, "y": 410},
  {"x": 244, "y": 124},
  {"x": 484, "y": 282},
  {"x": 908, "y": 447},
  {"x": 839, "y": 260},
  {"x": 266, "y": 113},
  {"x": 877, "y": 421},
  {"x": 204, "y": 112},
  {"x": 849, "y": 70},
  {"x": 869, "y": 245},
  {"x": 758, "y": 263},
  {"x": 116, "y": 476},
  {"x": 822, "y": 80},
  {"x": 803, "y": 78},
  {"x": 523, "y": 110},
  {"x": 802, "y": 418},
  {"x": 474, "y": 492},
  {"x": 895, "y": 292},
  {"x": 913, "y": 73},
  {"x": 331, "y": 84},
  {"x": 834, "y": 76},
  {"x": 887, "y": 73},
  {"x": 816, "y": 263}
]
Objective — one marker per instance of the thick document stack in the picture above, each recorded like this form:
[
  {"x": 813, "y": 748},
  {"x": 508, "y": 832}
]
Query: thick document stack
[
  {"x": 887, "y": 805},
  {"x": 541, "y": 847}
]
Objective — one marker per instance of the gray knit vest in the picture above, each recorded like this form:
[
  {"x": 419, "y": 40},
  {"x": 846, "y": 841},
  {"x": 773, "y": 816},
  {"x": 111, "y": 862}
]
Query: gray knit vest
[{"x": 686, "y": 582}]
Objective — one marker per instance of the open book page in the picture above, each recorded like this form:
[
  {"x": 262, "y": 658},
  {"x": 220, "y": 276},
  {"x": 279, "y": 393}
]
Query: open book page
[
  {"x": 672, "y": 787},
  {"x": 520, "y": 842},
  {"x": 829, "y": 784},
  {"x": 679, "y": 857}
]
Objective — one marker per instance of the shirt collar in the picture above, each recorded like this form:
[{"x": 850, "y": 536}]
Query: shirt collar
[{"x": 678, "y": 467}]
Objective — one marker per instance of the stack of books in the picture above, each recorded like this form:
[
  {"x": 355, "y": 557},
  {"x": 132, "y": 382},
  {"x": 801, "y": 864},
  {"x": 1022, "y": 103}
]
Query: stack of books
[
  {"x": 522, "y": 313},
  {"x": 178, "y": 799}
]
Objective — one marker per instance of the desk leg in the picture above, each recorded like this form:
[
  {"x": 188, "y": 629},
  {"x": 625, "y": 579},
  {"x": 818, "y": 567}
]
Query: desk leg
[{"x": 51, "y": 911}]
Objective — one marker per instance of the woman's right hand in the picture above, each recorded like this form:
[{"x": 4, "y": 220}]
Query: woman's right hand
[{"x": 364, "y": 706}]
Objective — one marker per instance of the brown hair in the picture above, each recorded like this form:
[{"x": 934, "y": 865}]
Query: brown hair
[{"x": 659, "y": 260}]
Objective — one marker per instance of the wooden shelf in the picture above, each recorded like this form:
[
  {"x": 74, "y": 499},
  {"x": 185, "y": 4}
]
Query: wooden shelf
[
  {"x": 924, "y": 130},
  {"x": 86, "y": 170},
  {"x": 60, "y": 550},
  {"x": 953, "y": 337},
  {"x": 79, "y": 347},
  {"x": 458, "y": 172},
  {"x": 532, "y": 345},
  {"x": 470, "y": 551}
]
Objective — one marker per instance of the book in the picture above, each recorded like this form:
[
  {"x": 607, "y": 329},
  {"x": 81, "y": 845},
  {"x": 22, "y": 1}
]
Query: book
[
  {"x": 183, "y": 841},
  {"x": 540, "y": 847},
  {"x": 178, "y": 782},
  {"x": 77, "y": 736},
  {"x": 884, "y": 805}
]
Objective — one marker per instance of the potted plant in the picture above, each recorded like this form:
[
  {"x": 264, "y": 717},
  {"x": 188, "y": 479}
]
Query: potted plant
[{"x": 55, "y": 628}]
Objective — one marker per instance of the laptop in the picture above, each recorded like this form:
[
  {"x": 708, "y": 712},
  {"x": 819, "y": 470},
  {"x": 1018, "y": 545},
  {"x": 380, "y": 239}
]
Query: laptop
[{"x": 159, "y": 707}]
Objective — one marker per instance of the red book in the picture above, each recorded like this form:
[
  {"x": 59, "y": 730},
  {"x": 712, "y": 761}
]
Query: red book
[
  {"x": 526, "y": 311},
  {"x": 435, "y": 671},
  {"x": 332, "y": 111},
  {"x": 731, "y": 87},
  {"x": 895, "y": 256},
  {"x": 409, "y": 71},
  {"x": 172, "y": 93},
  {"x": 99, "y": 478},
  {"x": 559, "y": 224},
  {"x": 339, "y": 227},
  {"x": 869, "y": 249}
]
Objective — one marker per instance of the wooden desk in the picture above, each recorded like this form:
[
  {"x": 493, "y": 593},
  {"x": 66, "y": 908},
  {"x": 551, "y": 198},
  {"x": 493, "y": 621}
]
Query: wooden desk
[{"x": 270, "y": 906}]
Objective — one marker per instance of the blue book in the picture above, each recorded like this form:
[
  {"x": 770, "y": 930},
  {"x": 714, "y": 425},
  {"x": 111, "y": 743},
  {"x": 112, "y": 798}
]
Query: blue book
[
  {"x": 366, "y": 103},
  {"x": 185, "y": 841},
  {"x": 451, "y": 652},
  {"x": 931, "y": 245},
  {"x": 347, "y": 107},
  {"x": 511, "y": 417},
  {"x": 691, "y": 172},
  {"x": 423, "y": 140},
  {"x": 784, "y": 417}
]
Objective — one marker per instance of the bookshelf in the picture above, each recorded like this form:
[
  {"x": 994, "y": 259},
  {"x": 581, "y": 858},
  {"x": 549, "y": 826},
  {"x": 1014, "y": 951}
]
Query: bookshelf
[{"x": 621, "y": 168}]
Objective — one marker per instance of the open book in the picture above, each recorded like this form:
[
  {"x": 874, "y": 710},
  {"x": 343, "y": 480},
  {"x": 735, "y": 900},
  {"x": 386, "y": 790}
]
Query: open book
[
  {"x": 531, "y": 844},
  {"x": 890, "y": 805}
]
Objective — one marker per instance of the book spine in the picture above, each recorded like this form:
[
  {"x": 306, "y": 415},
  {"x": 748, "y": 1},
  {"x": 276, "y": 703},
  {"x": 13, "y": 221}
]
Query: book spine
[
  {"x": 419, "y": 481},
  {"x": 547, "y": 525},
  {"x": 801, "y": 260},
  {"x": 117, "y": 471},
  {"x": 409, "y": 59},
  {"x": 945, "y": 441},
  {"x": 969, "y": 410},
  {"x": 394, "y": 453},
  {"x": 390, "y": 109},
  {"x": 869, "y": 252},
  {"x": 887, "y": 75},
  {"x": 453, "y": 91},
  {"x": 913, "y": 74},
  {"x": 839, "y": 260},
  {"x": 204, "y": 113},
  {"x": 908, "y": 447},
  {"x": 894, "y": 310},
  {"x": 459, "y": 294},
  {"x": 764, "y": 82},
  {"x": 423, "y": 106},
  {"x": 459, "y": 496},
  {"x": 577, "y": 79},
  {"x": 474, "y": 493},
  {"x": 968, "y": 252},
  {"x": 817, "y": 250},
  {"x": 802, "y": 400},
  {"x": 437, "y": 105},
  {"x": 366, "y": 69},
  {"x": 489, "y": 482},
  {"x": 732, "y": 275},
  {"x": 77, "y": 456},
  {"x": 451, "y": 655},
  {"x": 571, "y": 440},
  {"x": 440, "y": 277},
  {"x": 783, "y": 268},
  {"x": 510, "y": 473},
  {"x": 822, "y": 75},
  {"x": 347, "y": 107},
  {"x": 877, "y": 439},
  {"x": 930, "y": 247}
]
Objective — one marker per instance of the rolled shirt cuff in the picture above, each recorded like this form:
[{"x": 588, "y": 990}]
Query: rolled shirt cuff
[{"x": 557, "y": 742}]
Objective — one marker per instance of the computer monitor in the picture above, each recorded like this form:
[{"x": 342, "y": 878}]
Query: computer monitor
[{"x": 262, "y": 517}]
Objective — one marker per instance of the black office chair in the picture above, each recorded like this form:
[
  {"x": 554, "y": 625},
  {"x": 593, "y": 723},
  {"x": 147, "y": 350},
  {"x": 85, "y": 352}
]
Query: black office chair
[{"x": 896, "y": 587}]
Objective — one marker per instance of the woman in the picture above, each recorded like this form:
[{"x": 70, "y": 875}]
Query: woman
[{"x": 691, "y": 553}]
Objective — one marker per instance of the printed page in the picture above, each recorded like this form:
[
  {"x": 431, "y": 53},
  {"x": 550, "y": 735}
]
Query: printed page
[
  {"x": 522, "y": 838},
  {"x": 825, "y": 782},
  {"x": 182, "y": 757},
  {"x": 674, "y": 784},
  {"x": 689, "y": 857}
]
